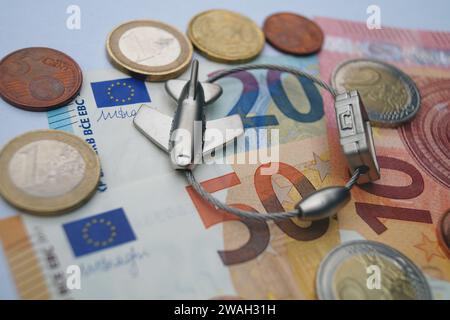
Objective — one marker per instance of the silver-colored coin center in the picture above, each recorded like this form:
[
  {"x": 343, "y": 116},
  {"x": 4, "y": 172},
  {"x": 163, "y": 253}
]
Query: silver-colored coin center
[
  {"x": 47, "y": 168},
  {"x": 149, "y": 46}
]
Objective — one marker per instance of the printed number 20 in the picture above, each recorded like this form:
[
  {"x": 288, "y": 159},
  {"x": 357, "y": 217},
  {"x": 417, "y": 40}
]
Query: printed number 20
[{"x": 250, "y": 93}]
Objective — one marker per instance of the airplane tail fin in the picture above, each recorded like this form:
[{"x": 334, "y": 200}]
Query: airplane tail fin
[{"x": 211, "y": 91}]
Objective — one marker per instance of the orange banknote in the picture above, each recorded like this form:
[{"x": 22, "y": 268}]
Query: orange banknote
[{"x": 404, "y": 206}]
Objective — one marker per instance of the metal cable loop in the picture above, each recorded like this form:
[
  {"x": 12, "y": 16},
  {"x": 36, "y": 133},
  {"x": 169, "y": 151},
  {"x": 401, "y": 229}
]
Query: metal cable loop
[
  {"x": 275, "y": 67},
  {"x": 247, "y": 214}
]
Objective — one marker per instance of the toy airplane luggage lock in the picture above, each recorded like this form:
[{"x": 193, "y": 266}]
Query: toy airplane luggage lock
[
  {"x": 183, "y": 136},
  {"x": 355, "y": 134}
]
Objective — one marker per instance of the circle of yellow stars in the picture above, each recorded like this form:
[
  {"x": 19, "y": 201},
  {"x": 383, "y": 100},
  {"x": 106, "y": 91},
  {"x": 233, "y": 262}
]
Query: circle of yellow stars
[
  {"x": 95, "y": 243},
  {"x": 118, "y": 84}
]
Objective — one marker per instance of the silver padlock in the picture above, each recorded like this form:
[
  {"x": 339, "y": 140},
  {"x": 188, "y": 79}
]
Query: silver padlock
[{"x": 356, "y": 137}]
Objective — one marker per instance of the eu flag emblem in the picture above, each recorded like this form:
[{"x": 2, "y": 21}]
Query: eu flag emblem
[
  {"x": 119, "y": 92},
  {"x": 102, "y": 231}
]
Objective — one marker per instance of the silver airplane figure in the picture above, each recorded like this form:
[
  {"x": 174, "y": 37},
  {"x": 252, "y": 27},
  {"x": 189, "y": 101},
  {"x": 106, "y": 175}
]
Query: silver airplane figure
[{"x": 183, "y": 136}]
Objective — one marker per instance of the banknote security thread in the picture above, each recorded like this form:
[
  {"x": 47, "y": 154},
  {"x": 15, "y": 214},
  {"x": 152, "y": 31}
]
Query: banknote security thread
[
  {"x": 39, "y": 79},
  {"x": 149, "y": 49},
  {"x": 48, "y": 172}
]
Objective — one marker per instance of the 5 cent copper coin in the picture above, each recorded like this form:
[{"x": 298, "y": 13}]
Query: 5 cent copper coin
[
  {"x": 292, "y": 33},
  {"x": 39, "y": 79}
]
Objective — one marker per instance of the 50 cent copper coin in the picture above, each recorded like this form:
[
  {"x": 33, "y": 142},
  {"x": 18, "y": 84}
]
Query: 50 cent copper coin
[
  {"x": 292, "y": 33},
  {"x": 39, "y": 79}
]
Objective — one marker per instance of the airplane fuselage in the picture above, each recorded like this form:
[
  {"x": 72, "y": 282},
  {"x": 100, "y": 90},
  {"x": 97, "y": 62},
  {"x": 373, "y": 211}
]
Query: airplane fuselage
[{"x": 186, "y": 138}]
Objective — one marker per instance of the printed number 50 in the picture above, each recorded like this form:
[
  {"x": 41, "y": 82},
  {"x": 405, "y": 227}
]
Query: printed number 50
[{"x": 258, "y": 230}]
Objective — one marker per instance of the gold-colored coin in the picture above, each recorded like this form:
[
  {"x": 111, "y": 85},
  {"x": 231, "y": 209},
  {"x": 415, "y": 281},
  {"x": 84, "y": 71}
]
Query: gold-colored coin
[
  {"x": 149, "y": 49},
  {"x": 368, "y": 270},
  {"x": 48, "y": 172},
  {"x": 350, "y": 280},
  {"x": 390, "y": 96},
  {"x": 226, "y": 36}
]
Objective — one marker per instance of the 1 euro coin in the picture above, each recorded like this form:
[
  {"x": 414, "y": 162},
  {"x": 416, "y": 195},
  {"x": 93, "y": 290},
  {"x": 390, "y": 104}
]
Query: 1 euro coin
[
  {"x": 149, "y": 49},
  {"x": 48, "y": 172}
]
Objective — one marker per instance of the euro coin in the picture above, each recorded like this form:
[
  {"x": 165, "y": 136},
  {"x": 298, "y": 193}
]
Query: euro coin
[
  {"x": 292, "y": 33},
  {"x": 443, "y": 232},
  {"x": 368, "y": 270},
  {"x": 225, "y": 36},
  {"x": 48, "y": 172},
  {"x": 390, "y": 96},
  {"x": 149, "y": 49},
  {"x": 39, "y": 79}
]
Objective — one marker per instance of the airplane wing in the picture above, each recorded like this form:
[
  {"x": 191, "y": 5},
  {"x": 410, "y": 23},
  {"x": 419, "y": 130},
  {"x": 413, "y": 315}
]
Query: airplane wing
[
  {"x": 211, "y": 91},
  {"x": 154, "y": 125},
  {"x": 221, "y": 131},
  {"x": 175, "y": 88}
]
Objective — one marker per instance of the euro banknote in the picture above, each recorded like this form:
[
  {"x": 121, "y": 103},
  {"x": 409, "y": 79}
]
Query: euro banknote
[
  {"x": 173, "y": 244},
  {"x": 403, "y": 207},
  {"x": 147, "y": 234}
]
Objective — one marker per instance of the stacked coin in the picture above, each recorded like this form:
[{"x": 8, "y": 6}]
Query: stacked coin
[
  {"x": 390, "y": 96},
  {"x": 369, "y": 270},
  {"x": 292, "y": 33},
  {"x": 39, "y": 79},
  {"x": 48, "y": 172},
  {"x": 225, "y": 36},
  {"x": 149, "y": 49}
]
